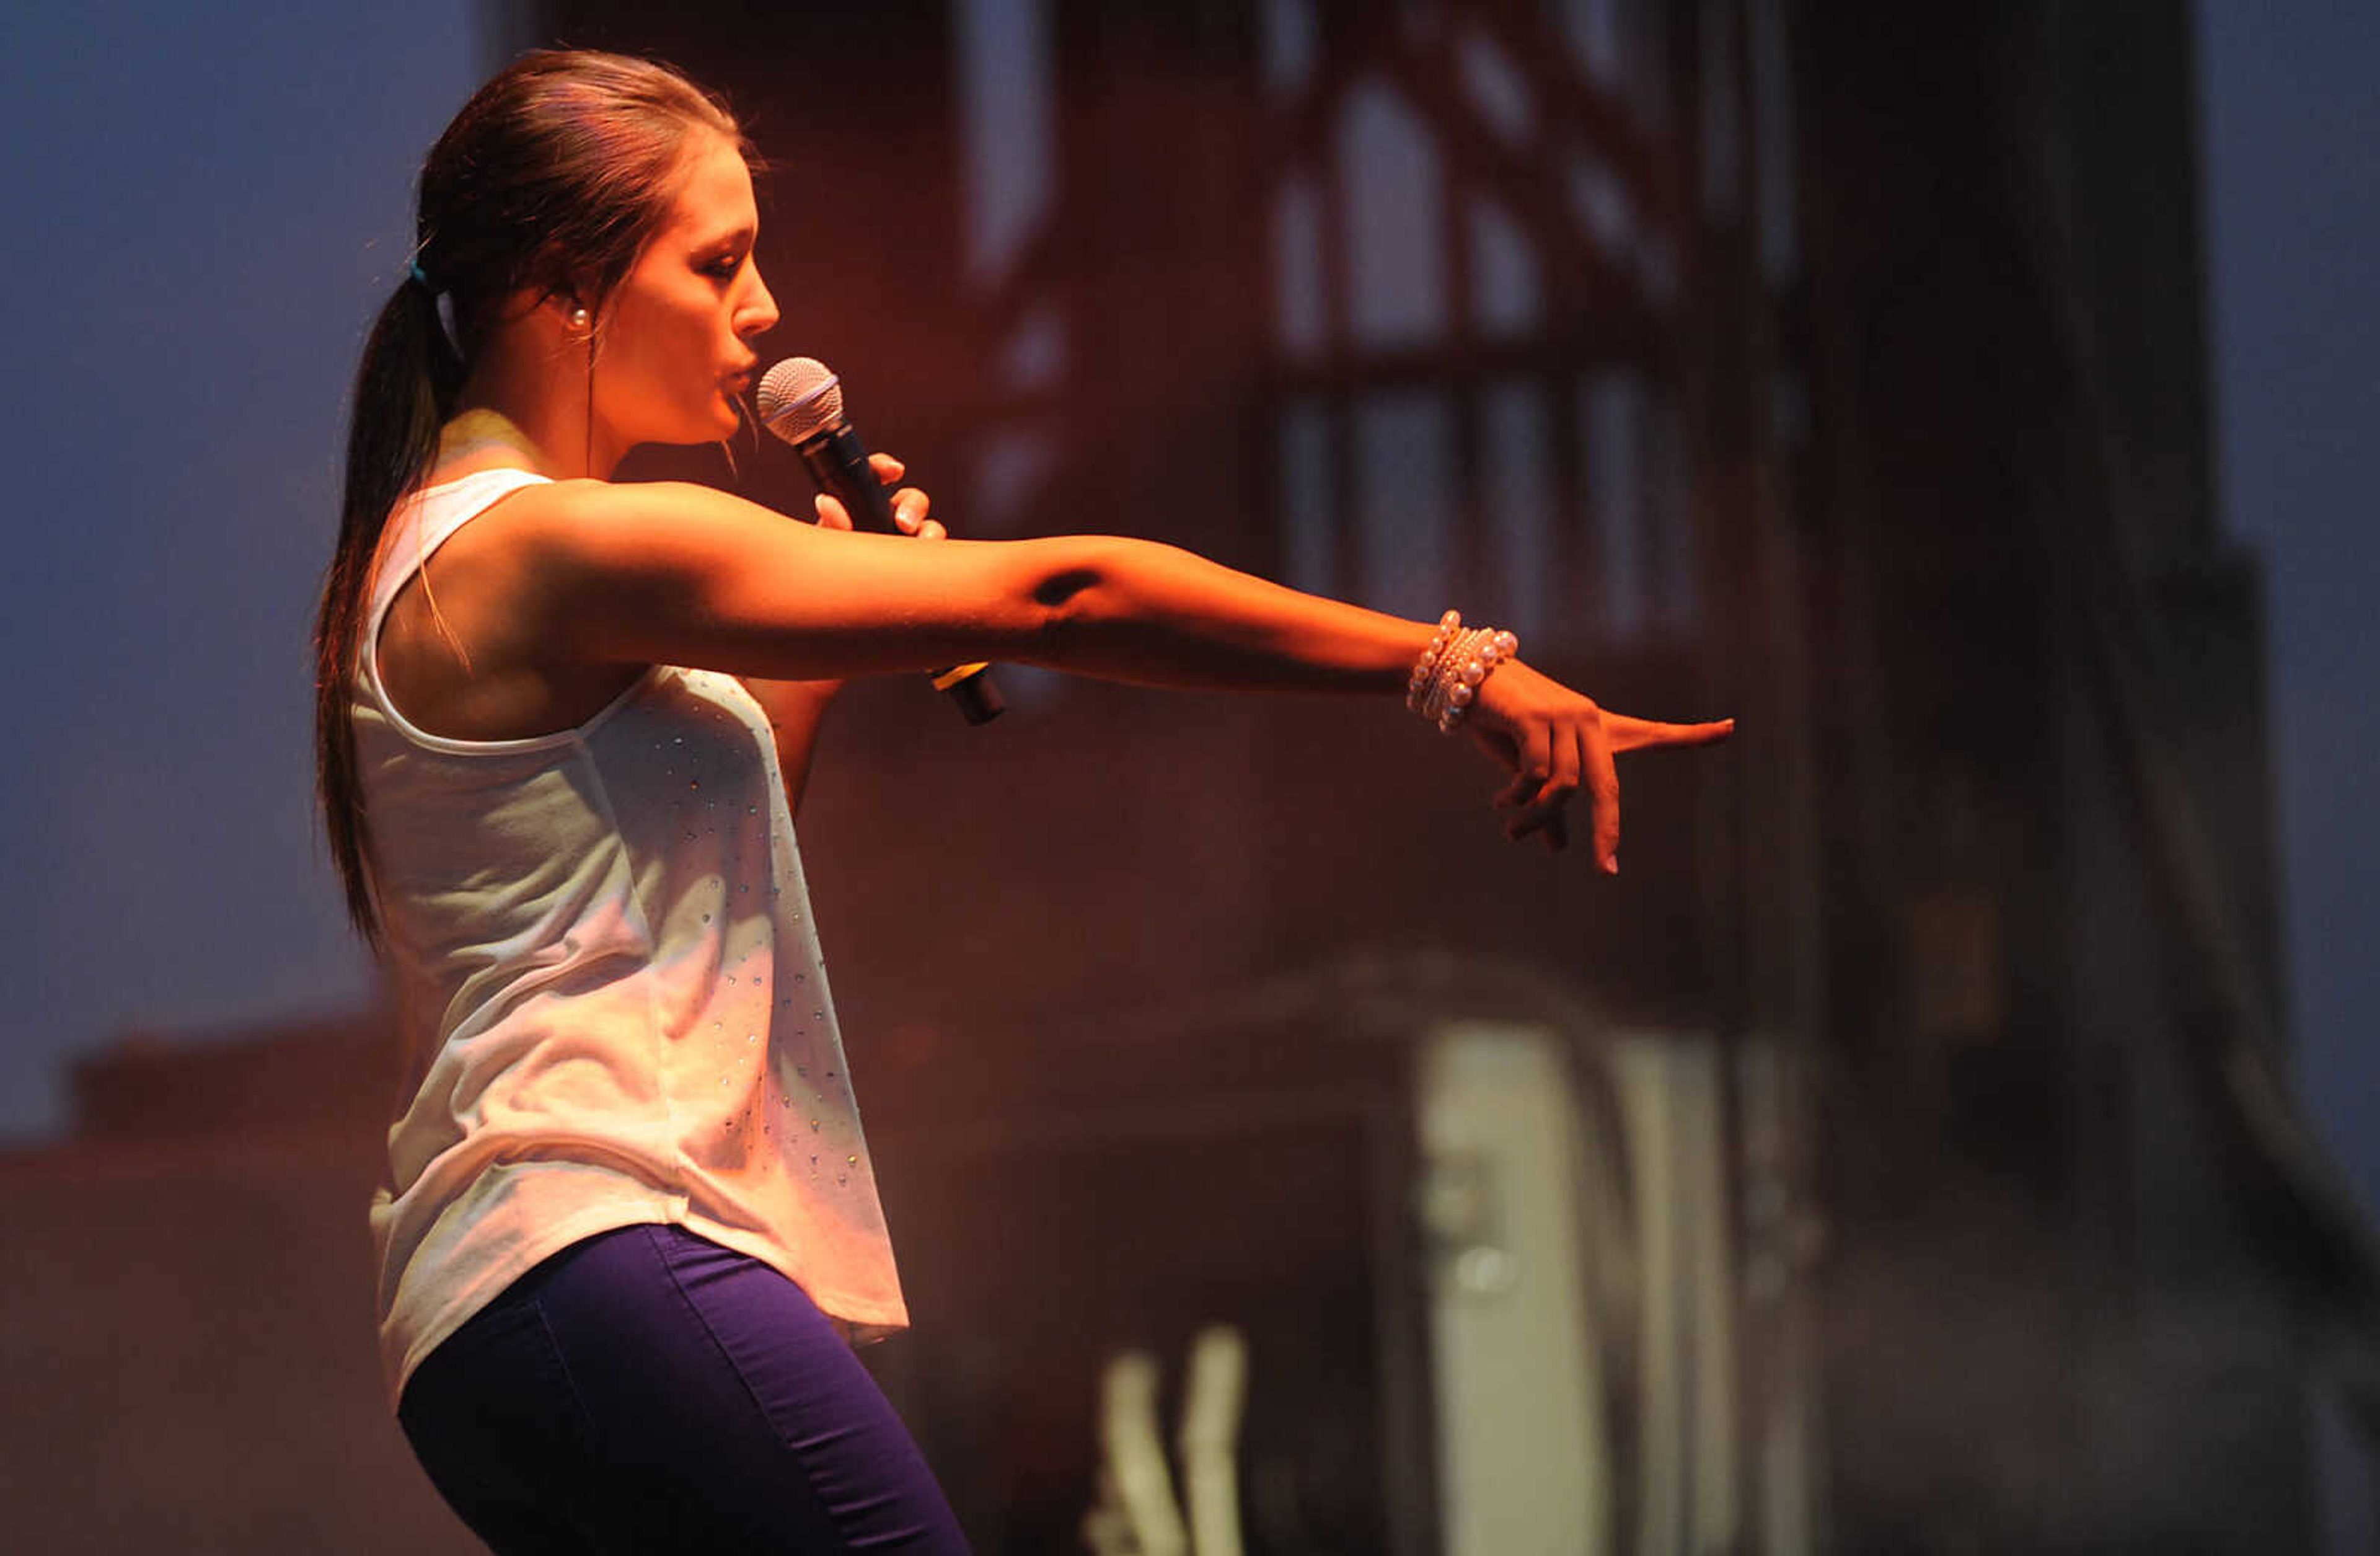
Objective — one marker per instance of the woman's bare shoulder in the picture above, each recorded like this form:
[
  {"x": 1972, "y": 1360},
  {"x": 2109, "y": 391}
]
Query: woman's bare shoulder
[
  {"x": 562, "y": 563},
  {"x": 588, "y": 502}
]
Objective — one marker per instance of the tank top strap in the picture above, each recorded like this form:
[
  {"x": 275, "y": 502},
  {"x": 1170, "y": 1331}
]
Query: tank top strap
[{"x": 427, "y": 519}]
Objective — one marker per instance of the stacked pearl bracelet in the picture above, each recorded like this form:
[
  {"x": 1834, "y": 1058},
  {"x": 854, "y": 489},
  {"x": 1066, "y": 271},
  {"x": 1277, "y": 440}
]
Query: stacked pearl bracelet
[{"x": 1451, "y": 670}]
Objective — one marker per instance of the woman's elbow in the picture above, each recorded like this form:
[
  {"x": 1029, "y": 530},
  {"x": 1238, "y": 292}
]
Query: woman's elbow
[{"x": 1078, "y": 584}]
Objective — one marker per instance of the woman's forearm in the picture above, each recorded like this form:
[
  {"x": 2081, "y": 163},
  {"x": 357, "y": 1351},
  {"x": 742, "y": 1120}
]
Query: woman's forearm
[{"x": 1143, "y": 612}]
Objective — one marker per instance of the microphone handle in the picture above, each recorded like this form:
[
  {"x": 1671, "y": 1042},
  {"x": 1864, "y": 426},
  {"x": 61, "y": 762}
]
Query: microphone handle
[{"x": 838, "y": 462}]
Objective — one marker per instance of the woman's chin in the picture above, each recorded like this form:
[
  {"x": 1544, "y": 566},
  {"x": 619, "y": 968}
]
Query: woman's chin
[{"x": 720, "y": 421}]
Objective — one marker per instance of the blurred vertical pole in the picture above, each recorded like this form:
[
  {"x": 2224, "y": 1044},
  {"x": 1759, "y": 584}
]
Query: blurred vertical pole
[
  {"x": 1337, "y": 25},
  {"x": 1696, "y": 343},
  {"x": 1760, "y": 866},
  {"x": 1466, "y": 570}
]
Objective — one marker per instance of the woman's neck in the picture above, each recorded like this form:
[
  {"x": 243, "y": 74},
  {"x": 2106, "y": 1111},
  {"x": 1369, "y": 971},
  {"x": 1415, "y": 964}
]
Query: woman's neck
[
  {"x": 476, "y": 438},
  {"x": 526, "y": 402}
]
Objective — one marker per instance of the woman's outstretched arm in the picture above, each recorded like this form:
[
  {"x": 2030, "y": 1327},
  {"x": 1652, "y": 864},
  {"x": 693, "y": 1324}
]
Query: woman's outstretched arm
[{"x": 685, "y": 575}]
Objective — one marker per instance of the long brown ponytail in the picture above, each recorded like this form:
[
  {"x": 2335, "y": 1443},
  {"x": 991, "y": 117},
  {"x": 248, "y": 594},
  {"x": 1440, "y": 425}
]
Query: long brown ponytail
[{"x": 547, "y": 183}]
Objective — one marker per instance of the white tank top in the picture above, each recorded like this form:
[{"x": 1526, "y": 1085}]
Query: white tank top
[{"x": 612, "y": 1005}]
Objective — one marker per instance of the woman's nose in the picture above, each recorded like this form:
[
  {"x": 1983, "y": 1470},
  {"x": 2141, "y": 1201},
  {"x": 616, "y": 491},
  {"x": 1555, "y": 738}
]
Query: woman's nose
[{"x": 760, "y": 314}]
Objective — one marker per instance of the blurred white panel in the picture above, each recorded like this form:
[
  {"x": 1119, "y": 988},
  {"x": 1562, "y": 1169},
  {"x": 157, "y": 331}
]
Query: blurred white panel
[
  {"x": 1722, "y": 126},
  {"x": 1005, "y": 99},
  {"x": 1391, "y": 171},
  {"x": 1687, "y": 1450},
  {"x": 1504, "y": 297},
  {"x": 1289, "y": 43},
  {"x": 1523, "y": 1465},
  {"x": 1673, "y": 594},
  {"x": 1772, "y": 106},
  {"x": 1011, "y": 465},
  {"x": 2346, "y": 1466},
  {"x": 1299, "y": 314},
  {"x": 1307, "y": 504},
  {"x": 1519, "y": 482},
  {"x": 1592, "y": 28},
  {"x": 1611, "y": 433},
  {"x": 1603, "y": 206},
  {"x": 1404, "y": 502},
  {"x": 1034, "y": 355},
  {"x": 1495, "y": 89}
]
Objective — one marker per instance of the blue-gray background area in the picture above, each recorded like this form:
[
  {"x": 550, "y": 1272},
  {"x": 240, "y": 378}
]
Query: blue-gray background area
[
  {"x": 204, "y": 213},
  {"x": 205, "y": 203},
  {"x": 2288, "y": 115}
]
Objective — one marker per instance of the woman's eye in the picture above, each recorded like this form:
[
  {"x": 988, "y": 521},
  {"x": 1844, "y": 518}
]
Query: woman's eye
[{"x": 725, "y": 267}]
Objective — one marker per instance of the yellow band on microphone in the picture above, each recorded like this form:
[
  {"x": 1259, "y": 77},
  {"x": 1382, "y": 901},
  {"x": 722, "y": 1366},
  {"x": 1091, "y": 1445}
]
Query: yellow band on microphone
[{"x": 956, "y": 673}]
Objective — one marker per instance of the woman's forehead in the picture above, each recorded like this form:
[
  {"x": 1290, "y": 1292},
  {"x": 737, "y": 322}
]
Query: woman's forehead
[{"x": 716, "y": 195}]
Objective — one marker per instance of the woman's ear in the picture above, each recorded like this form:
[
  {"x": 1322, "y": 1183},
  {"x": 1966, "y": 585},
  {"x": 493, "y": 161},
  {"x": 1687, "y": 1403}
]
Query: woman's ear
[{"x": 571, "y": 312}]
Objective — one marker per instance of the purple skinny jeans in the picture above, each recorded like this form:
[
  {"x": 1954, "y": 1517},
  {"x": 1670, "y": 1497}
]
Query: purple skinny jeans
[{"x": 647, "y": 1390}]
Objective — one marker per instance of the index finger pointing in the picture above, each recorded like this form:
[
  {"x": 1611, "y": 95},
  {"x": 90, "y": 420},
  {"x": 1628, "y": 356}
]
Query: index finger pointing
[{"x": 1631, "y": 734}]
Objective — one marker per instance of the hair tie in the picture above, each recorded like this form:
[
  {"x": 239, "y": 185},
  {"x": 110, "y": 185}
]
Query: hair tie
[{"x": 420, "y": 277}]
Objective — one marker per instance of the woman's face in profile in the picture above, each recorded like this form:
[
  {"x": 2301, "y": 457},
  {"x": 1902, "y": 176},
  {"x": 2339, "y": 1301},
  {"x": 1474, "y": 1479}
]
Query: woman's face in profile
[{"x": 676, "y": 348}]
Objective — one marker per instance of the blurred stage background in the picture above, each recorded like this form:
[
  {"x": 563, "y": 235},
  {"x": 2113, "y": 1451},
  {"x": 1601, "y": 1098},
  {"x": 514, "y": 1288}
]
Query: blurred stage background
[{"x": 1921, "y": 1148}]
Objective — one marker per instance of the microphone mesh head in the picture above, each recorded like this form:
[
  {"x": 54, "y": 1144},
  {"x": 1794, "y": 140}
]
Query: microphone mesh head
[{"x": 799, "y": 398}]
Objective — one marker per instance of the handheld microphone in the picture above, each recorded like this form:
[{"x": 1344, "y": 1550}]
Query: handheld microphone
[{"x": 801, "y": 401}]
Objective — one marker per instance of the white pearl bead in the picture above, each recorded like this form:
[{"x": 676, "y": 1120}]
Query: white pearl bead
[{"x": 1460, "y": 696}]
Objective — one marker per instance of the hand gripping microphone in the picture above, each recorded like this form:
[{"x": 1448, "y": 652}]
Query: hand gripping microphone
[{"x": 801, "y": 401}]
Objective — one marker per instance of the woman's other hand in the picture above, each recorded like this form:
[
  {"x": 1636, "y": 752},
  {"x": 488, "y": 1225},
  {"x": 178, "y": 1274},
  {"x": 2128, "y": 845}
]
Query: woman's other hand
[
  {"x": 909, "y": 504},
  {"x": 1554, "y": 742},
  {"x": 796, "y": 708}
]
